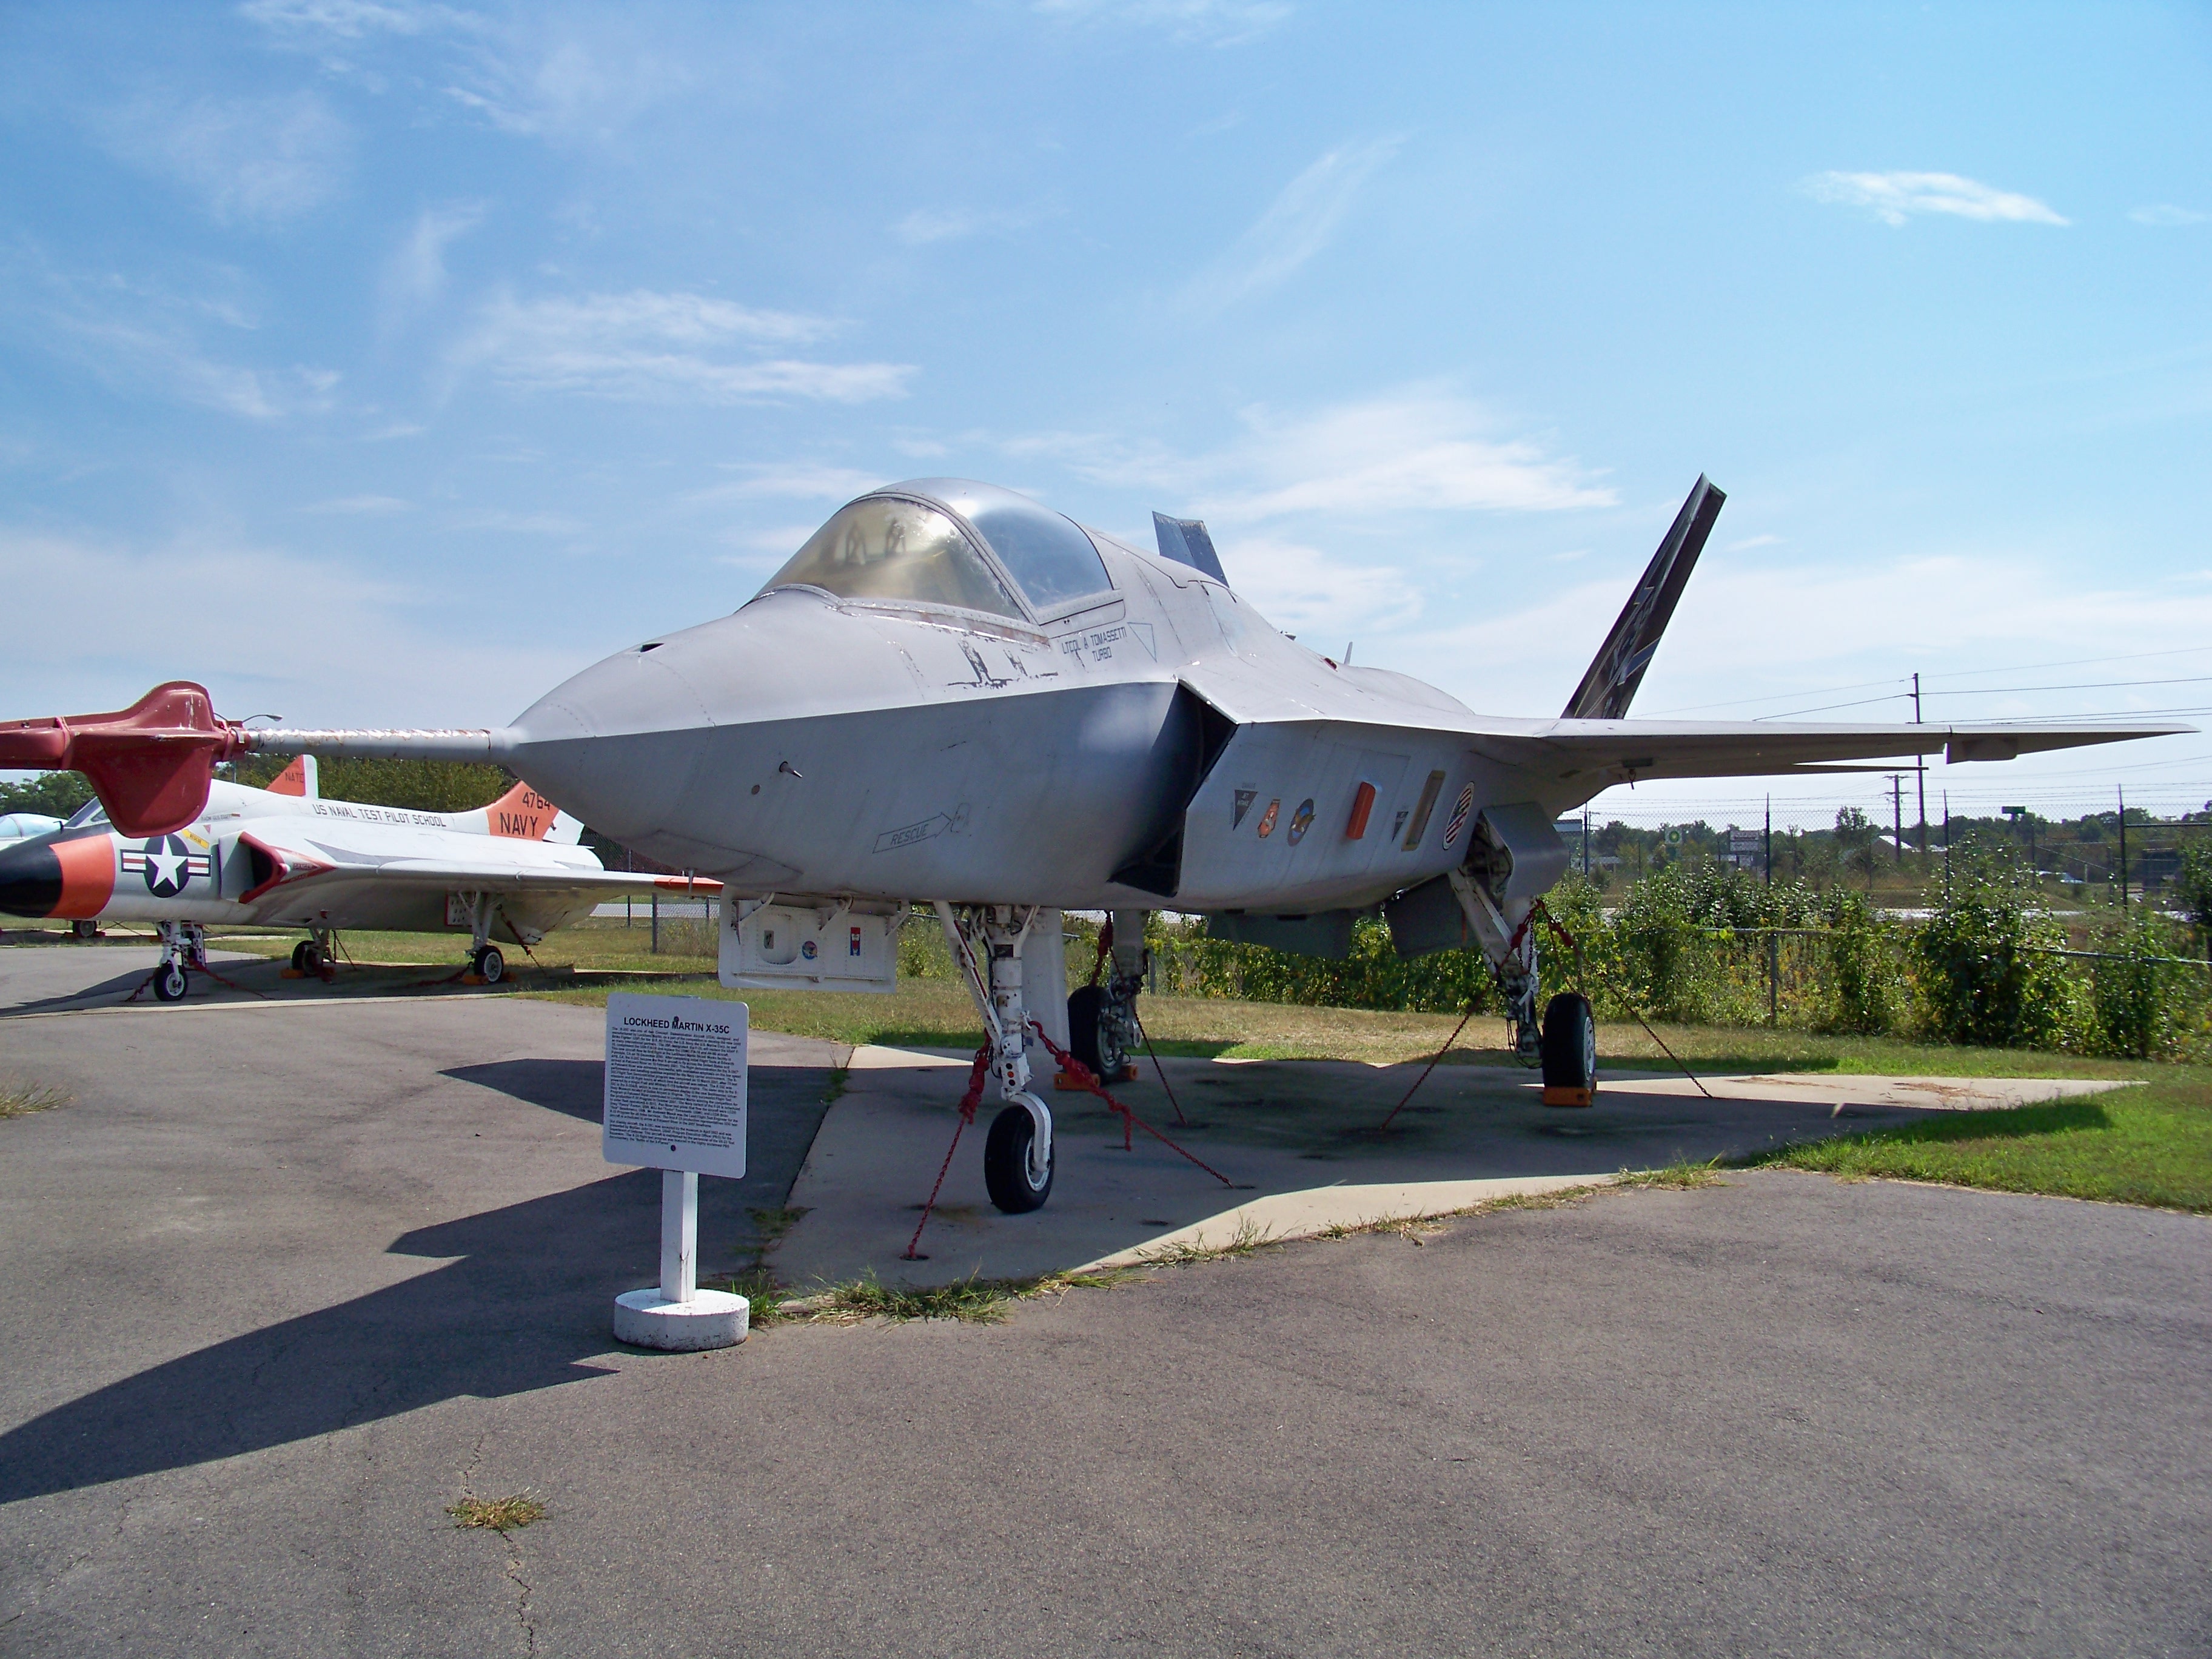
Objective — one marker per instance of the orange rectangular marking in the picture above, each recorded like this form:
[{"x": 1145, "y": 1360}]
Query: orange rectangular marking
[{"x": 1362, "y": 802}]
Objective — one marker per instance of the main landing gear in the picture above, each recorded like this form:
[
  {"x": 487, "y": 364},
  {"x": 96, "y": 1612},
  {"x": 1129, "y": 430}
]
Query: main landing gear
[
  {"x": 486, "y": 962},
  {"x": 316, "y": 957},
  {"x": 1102, "y": 1031},
  {"x": 1563, "y": 1041},
  {"x": 986, "y": 945},
  {"x": 184, "y": 947}
]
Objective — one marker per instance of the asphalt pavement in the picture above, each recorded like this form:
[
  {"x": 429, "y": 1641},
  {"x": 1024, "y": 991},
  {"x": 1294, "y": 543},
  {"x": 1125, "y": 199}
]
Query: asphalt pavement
[{"x": 285, "y": 1280}]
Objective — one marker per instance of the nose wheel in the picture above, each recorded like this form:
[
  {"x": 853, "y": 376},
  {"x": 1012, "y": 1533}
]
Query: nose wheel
[
  {"x": 1013, "y": 1176},
  {"x": 171, "y": 982},
  {"x": 488, "y": 964}
]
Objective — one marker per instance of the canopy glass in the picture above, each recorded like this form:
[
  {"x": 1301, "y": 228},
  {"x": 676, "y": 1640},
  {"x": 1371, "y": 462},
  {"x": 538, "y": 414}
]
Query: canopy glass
[{"x": 892, "y": 546}]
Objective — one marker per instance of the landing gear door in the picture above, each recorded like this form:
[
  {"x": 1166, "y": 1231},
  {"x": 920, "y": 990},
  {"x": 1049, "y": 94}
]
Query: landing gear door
[{"x": 795, "y": 945}]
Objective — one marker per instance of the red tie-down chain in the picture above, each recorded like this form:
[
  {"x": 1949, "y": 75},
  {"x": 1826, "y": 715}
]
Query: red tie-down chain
[
  {"x": 1087, "y": 1080},
  {"x": 969, "y": 1101}
]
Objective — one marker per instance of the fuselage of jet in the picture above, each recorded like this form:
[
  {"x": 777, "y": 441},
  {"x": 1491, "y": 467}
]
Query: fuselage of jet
[{"x": 274, "y": 859}]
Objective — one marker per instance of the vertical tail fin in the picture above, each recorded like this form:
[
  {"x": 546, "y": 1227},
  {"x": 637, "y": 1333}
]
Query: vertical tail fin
[
  {"x": 1186, "y": 542},
  {"x": 300, "y": 778},
  {"x": 1618, "y": 668}
]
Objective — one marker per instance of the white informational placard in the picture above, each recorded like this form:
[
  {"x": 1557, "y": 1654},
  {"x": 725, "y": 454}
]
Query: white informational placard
[{"x": 676, "y": 1083}]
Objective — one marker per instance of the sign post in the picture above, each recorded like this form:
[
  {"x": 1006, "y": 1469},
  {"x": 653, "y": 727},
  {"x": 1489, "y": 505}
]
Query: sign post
[{"x": 675, "y": 1101}]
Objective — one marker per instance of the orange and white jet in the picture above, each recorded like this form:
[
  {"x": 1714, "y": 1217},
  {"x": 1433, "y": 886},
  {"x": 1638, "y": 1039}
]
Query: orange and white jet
[{"x": 285, "y": 857}]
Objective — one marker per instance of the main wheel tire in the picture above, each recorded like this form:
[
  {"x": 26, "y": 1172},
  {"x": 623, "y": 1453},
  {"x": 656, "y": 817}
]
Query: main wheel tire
[
  {"x": 1006, "y": 1162},
  {"x": 301, "y": 956},
  {"x": 490, "y": 965},
  {"x": 1082, "y": 1026},
  {"x": 171, "y": 982},
  {"x": 1569, "y": 1042},
  {"x": 84, "y": 928}
]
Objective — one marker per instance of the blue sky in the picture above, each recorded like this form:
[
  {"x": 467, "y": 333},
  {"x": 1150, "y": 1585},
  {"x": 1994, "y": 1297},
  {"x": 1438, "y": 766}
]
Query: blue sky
[{"x": 380, "y": 362}]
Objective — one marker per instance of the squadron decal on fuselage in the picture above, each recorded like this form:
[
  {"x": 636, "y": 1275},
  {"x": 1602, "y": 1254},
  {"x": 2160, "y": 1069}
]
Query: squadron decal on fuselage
[
  {"x": 1244, "y": 799},
  {"x": 1268, "y": 817}
]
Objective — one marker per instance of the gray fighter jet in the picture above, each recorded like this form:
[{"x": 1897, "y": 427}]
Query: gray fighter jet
[{"x": 953, "y": 694}]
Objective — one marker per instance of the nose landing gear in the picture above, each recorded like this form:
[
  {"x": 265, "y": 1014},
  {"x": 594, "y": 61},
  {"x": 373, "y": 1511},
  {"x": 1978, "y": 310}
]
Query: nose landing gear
[
  {"x": 184, "y": 947},
  {"x": 1018, "y": 1155}
]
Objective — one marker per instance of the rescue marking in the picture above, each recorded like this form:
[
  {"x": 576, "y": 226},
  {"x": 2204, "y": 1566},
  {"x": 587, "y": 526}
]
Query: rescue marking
[
  {"x": 911, "y": 835},
  {"x": 1268, "y": 817}
]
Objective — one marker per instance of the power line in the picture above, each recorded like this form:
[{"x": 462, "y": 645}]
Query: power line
[{"x": 1948, "y": 674}]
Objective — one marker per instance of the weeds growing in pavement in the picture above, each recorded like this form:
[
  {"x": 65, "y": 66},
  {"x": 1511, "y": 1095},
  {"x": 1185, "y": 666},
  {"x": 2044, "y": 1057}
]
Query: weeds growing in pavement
[
  {"x": 500, "y": 1515},
  {"x": 21, "y": 1099}
]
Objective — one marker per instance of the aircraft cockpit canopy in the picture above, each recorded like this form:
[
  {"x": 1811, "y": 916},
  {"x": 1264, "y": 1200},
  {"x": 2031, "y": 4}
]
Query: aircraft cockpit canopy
[{"x": 918, "y": 542}]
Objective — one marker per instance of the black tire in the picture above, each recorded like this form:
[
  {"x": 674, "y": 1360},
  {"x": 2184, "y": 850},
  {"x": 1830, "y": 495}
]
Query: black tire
[
  {"x": 490, "y": 965},
  {"x": 300, "y": 956},
  {"x": 1006, "y": 1162},
  {"x": 1569, "y": 1042},
  {"x": 1082, "y": 1026},
  {"x": 84, "y": 928},
  {"x": 171, "y": 982}
]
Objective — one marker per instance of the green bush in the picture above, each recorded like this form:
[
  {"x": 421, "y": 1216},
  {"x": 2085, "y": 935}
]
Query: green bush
[
  {"x": 1985, "y": 964},
  {"x": 2145, "y": 998},
  {"x": 1863, "y": 982}
]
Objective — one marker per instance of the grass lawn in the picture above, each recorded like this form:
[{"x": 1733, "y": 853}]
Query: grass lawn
[{"x": 2151, "y": 1144}]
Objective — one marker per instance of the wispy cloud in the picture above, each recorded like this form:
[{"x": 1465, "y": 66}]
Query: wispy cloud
[
  {"x": 926, "y": 225},
  {"x": 1421, "y": 448},
  {"x": 248, "y": 159},
  {"x": 414, "y": 273},
  {"x": 395, "y": 660},
  {"x": 519, "y": 524},
  {"x": 352, "y": 20},
  {"x": 665, "y": 345},
  {"x": 142, "y": 337},
  {"x": 363, "y": 505},
  {"x": 1203, "y": 23},
  {"x": 1297, "y": 226},
  {"x": 1301, "y": 589},
  {"x": 801, "y": 481},
  {"x": 2166, "y": 213},
  {"x": 1893, "y": 197}
]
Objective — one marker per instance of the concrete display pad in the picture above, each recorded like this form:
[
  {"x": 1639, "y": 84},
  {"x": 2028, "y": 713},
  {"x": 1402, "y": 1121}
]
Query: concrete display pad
[{"x": 1298, "y": 1138}]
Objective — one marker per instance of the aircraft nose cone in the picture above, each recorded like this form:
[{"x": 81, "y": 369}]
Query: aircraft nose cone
[{"x": 30, "y": 881}]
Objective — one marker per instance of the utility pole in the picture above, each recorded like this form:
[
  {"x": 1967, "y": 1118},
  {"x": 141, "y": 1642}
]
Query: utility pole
[
  {"x": 1770, "y": 841},
  {"x": 1946, "y": 847},
  {"x": 1586, "y": 830},
  {"x": 1920, "y": 765},
  {"x": 2124, "y": 851},
  {"x": 1897, "y": 813}
]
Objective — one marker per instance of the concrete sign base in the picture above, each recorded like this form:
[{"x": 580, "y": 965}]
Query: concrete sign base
[{"x": 711, "y": 1319}]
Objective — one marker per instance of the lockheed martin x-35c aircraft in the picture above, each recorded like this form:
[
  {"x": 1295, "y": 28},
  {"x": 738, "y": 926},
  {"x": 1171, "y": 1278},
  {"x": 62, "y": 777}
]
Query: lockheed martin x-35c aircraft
[{"x": 952, "y": 693}]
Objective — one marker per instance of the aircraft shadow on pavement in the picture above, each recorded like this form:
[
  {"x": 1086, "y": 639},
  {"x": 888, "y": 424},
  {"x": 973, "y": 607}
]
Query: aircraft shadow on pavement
[
  {"x": 108, "y": 991},
  {"x": 525, "y": 1308}
]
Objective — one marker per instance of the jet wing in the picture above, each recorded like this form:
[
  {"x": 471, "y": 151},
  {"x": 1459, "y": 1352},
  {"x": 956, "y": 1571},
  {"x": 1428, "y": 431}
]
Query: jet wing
[
  {"x": 463, "y": 875},
  {"x": 1622, "y": 751}
]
